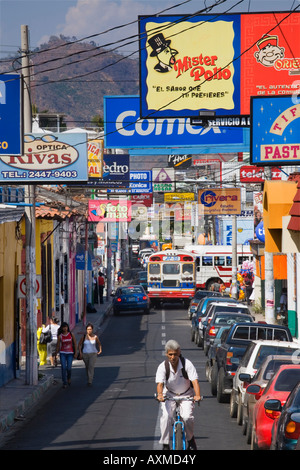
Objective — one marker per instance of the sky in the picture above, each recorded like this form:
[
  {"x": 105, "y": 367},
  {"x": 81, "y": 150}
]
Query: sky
[{"x": 82, "y": 18}]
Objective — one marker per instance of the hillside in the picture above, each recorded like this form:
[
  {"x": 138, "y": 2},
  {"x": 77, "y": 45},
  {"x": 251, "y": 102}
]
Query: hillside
[{"x": 72, "y": 78}]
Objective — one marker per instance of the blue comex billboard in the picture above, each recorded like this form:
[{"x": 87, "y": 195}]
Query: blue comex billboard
[
  {"x": 11, "y": 114},
  {"x": 275, "y": 130},
  {"x": 123, "y": 128}
]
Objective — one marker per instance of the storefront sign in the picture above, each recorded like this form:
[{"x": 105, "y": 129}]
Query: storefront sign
[
  {"x": 220, "y": 201},
  {"x": 275, "y": 131},
  {"x": 11, "y": 114},
  {"x": 109, "y": 211},
  {"x": 254, "y": 174}
]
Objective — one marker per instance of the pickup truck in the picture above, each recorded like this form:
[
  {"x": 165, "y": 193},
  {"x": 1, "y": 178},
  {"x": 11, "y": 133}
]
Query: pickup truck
[{"x": 232, "y": 347}]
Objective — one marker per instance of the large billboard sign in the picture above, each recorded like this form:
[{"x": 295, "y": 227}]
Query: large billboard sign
[
  {"x": 123, "y": 128},
  {"x": 47, "y": 158},
  {"x": 216, "y": 62},
  {"x": 275, "y": 131},
  {"x": 226, "y": 201},
  {"x": 11, "y": 114}
]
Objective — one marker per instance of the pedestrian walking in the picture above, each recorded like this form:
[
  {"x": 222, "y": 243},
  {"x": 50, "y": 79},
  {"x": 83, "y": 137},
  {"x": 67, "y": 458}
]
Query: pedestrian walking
[
  {"x": 89, "y": 348},
  {"x": 249, "y": 288},
  {"x": 67, "y": 349},
  {"x": 101, "y": 285},
  {"x": 51, "y": 347}
]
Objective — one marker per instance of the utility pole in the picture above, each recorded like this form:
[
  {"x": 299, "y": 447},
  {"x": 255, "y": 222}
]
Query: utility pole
[
  {"x": 269, "y": 275},
  {"x": 31, "y": 307}
]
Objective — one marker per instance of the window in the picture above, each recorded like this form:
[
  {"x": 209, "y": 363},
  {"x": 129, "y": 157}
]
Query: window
[
  {"x": 219, "y": 261},
  {"x": 228, "y": 261},
  {"x": 207, "y": 261},
  {"x": 187, "y": 269},
  {"x": 154, "y": 268},
  {"x": 171, "y": 268}
]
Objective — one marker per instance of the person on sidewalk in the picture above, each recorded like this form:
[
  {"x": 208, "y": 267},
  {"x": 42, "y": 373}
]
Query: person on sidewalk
[
  {"x": 177, "y": 376},
  {"x": 67, "y": 349},
  {"x": 89, "y": 348},
  {"x": 51, "y": 347},
  {"x": 101, "y": 285}
]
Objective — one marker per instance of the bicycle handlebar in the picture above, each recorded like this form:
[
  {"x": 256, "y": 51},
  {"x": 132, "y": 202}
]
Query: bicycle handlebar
[{"x": 179, "y": 398}]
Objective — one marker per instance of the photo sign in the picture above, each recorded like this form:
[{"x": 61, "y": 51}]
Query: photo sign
[
  {"x": 275, "y": 131},
  {"x": 216, "y": 62}
]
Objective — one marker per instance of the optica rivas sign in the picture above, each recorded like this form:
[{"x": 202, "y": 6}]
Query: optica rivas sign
[
  {"x": 123, "y": 128},
  {"x": 47, "y": 158},
  {"x": 215, "y": 62},
  {"x": 275, "y": 131},
  {"x": 11, "y": 114}
]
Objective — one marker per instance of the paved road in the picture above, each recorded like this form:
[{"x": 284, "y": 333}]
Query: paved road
[{"x": 119, "y": 412}]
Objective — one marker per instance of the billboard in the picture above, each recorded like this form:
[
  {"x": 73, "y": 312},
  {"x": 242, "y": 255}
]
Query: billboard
[
  {"x": 11, "y": 114},
  {"x": 115, "y": 172},
  {"x": 47, "y": 158},
  {"x": 215, "y": 62},
  {"x": 109, "y": 210},
  {"x": 123, "y": 128},
  {"x": 275, "y": 131}
]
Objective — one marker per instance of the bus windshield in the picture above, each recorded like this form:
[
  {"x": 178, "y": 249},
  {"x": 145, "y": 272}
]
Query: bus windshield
[
  {"x": 172, "y": 268},
  {"x": 154, "y": 268}
]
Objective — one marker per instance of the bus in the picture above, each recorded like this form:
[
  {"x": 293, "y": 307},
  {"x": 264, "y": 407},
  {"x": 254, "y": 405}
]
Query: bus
[
  {"x": 171, "y": 276},
  {"x": 214, "y": 263}
]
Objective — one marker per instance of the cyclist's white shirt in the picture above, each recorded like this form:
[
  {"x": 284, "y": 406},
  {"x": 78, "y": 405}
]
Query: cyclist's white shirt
[{"x": 176, "y": 384}]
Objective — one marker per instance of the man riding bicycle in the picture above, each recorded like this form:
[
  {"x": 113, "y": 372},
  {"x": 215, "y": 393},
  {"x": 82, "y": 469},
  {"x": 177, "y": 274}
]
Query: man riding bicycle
[{"x": 177, "y": 377}]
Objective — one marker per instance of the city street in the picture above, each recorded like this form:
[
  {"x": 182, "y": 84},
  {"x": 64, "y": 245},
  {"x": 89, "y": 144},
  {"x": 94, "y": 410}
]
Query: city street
[{"x": 119, "y": 411}]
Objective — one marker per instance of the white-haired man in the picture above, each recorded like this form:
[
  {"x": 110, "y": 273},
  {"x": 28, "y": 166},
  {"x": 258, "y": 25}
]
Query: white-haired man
[{"x": 177, "y": 377}]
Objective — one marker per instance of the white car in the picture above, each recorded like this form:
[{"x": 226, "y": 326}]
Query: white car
[{"x": 251, "y": 361}]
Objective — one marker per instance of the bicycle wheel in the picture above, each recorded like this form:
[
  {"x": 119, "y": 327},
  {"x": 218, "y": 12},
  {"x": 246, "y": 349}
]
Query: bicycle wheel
[{"x": 178, "y": 436}]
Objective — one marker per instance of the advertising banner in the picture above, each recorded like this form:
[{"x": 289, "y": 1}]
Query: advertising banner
[
  {"x": 116, "y": 172},
  {"x": 48, "y": 158},
  {"x": 11, "y": 114},
  {"x": 123, "y": 128},
  {"x": 220, "y": 201},
  {"x": 163, "y": 179},
  {"x": 95, "y": 158},
  {"x": 254, "y": 174},
  {"x": 109, "y": 210},
  {"x": 215, "y": 62},
  {"x": 275, "y": 130}
]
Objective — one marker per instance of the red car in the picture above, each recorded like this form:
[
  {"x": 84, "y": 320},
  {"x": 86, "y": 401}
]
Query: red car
[{"x": 279, "y": 388}]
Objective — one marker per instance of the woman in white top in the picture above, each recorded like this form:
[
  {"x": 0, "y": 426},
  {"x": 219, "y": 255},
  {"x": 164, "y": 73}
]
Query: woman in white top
[
  {"x": 51, "y": 347},
  {"x": 89, "y": 348}
]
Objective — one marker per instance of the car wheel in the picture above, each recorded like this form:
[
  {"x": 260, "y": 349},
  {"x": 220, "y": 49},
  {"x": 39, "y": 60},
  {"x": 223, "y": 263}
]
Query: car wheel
[
  {"x": 248, "y": 432},
  {"x": 192, "y": 334},
  {"x": 199, "y": 341},
  {"x": 221, "y": 396},
  {"x": 213, "y": 379},
  {"x": 116, "y": 312},
  {"x": 147, "y": 311},
  {"x": 233, "y": 405},
  {"x": 254, "y": 445},
  {"x": 239, "y": 417},
  {"x": 208, "y": 371},
  {"x": 205, "y": 348}
]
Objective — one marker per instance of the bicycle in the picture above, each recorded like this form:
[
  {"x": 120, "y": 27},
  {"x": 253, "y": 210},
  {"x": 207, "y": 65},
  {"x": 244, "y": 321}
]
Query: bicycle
[{"x": 178, "y": 434}]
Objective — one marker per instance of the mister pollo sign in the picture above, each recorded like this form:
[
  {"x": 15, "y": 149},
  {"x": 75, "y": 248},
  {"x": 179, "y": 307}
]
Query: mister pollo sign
[{"x": 47, "y": 158}]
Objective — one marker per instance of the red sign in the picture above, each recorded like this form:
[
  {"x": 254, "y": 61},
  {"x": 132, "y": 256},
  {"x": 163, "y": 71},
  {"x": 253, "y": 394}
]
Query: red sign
[
  {"x": 142, "y": 198},
  {"x": 254, "y": 174}
]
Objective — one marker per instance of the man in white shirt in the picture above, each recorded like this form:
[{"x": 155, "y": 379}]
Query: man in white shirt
[{"x": 175, "y": 380}]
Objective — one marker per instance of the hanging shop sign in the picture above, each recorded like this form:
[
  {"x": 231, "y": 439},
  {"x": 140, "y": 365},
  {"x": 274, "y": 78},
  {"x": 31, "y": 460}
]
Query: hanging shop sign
[
  {"x": 254, "y": 174},
  {"x": 163, "y": 179},
  {"x": 123, "y": 128},
  {"x": 116, "y": 172},
  {"x": 275, "y": 130},
  {"x": 95, "y": 158},
  {"x": 109, "y": 210},
  {"x": 48, "y": 158},
  {"x": 215, "y": 62},
  {"x": 220, "y": 201}
]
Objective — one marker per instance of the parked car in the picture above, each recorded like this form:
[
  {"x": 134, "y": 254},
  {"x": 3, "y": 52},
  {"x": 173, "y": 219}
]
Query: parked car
[
  {"x": 252, "y": 360},
  {"x": 286, "y": 429},
  {"x": 211, "y": 356},
  {"x": 143, "y": 253},
  {"x": 217, "y": 315},
  {"x": 200, "y": 294},
  {"x": 199, "y": 315},
  {"x": 130, "y": 298},
  {"x": 262, "y": 377},
  {"x": 279, "y": 387},
  {"x": 217, "y": 306}
]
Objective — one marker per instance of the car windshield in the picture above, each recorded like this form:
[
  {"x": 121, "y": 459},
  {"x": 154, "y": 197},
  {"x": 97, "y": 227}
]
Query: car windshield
[
  {"x": 237, "y": 309},
  {"x": 269, "y": 350},
  {"x": 273, "y": 366},
  {"x": 131, "y": 290},
  {"x": 230, "y": 319}
]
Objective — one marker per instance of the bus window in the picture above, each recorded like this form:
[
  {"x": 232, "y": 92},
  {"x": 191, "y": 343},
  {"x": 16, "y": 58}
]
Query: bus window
[
  {"x": 154, "y": 268},
  {"x": 207, "y": 261},
  {"x": 219, "y": 260},
  {"x": 187, "y": 269},
  {"x": 241, "y": 259},
  {"x": 228, "y": 261},
  {"x": 171, "y": 268}
]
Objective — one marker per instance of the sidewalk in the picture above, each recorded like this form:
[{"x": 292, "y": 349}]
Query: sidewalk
[{"x": 16, "y": 397}]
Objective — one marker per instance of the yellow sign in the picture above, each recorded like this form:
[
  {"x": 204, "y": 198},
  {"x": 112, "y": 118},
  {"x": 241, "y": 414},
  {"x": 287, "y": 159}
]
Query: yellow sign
[
  {"x": 171, "y": 197},
  {"x": 95, "y": 158},
  {"x": 199, "y": 68},
  {"x": 226, "y": 201}
]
